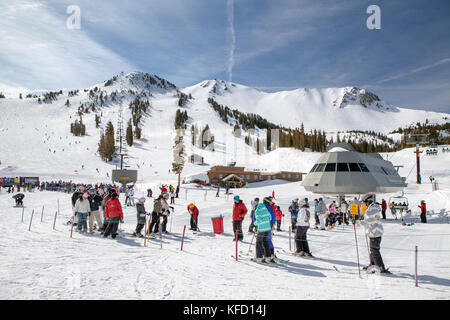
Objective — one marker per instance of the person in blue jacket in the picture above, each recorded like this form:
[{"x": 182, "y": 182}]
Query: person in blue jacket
[
  {"x": 264, "y": 219},
  {"x": 268, "y": 204}
]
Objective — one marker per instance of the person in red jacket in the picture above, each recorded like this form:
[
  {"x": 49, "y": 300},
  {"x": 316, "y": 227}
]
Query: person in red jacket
[
  {"x": 383, "y": 208},
  {"x": 279, "y": 215},
  {"x": 423, "y": 211},
  {"x": 239, "y": 212},
  {"x": 193, "y": 211},
  {"x": 113, "y": 214}
]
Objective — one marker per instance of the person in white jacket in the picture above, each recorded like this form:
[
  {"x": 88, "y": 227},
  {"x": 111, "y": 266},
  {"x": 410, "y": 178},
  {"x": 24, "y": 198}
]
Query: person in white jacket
[
  {"x": 82, "y": 208},
  {"x": 374, "y": 230},
  {"x": 302, "y": 228}
]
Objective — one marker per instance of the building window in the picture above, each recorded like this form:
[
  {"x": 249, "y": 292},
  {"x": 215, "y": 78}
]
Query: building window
[
  {"x": 220, "y": 176},
  {"x": 284, "y": 176},
  {"x": 297, "y": 176},
  {"x": 255, "y": 177},
  {"x": 248, "y": 177},
  {"x": 289, "y": 175}
]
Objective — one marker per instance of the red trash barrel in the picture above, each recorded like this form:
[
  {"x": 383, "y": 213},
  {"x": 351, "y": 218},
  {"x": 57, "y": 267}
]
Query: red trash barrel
[{"x": 217, "y": 224}]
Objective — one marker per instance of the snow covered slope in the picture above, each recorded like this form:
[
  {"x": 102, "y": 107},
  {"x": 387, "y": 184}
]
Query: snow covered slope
[{"x": 331, "y": 109}]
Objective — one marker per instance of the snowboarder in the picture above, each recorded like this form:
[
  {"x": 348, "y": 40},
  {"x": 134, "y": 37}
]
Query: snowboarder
[
  {"x": 193, "y": 211},
  {"x": 19, "y": 199},
  {"x": 423, "y": 211},
  {"x": 141, "y": 214},
  {"x": 374, "y": 230},
  {"x": 82, "y": 209},
  {"x": 302, "y": 229},
  {"x": 114, "y": 215},
  {"x": 293, "y": 209},
  {"x": 239, "y": 212}
]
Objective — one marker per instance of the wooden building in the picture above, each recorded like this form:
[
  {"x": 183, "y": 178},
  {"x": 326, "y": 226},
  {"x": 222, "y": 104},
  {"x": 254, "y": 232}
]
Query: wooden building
[{"x": 226, "y": 174}]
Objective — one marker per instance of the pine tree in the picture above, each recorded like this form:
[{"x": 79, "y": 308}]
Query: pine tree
[{"x": 129, "y": 134}]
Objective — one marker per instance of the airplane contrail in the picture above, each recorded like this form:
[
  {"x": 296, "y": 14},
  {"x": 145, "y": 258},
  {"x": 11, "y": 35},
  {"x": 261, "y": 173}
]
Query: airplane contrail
[{"x": 230, "y": 16}]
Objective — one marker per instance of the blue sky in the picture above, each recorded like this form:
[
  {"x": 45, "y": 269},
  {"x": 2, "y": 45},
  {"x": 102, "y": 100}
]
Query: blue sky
[{"x": 272, "y": 45}]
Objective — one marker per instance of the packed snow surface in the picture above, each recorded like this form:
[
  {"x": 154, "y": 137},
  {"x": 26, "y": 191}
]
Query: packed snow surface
[{"x": 48, "y": 264}]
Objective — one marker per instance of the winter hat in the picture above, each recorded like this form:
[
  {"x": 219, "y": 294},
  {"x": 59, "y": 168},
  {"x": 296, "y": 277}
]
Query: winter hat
[
  {"x": 166, "y": 196},
  {"x": 191, "y": 205},
  {"x": 236, "y": 198},
  {"x": 422, "y": 201},
  {"x": 113, "y": 194},
  {"x": 141, "y": 199},
  {"x": 267, "y": 200},
  {"x": 85, "y": 195}
]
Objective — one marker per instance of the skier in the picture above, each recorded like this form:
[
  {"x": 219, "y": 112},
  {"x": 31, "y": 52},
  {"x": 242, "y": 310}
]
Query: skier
[
  {"x": 239, "y": 212},
  {"x": 19, "y": 199},
  {"x": 82, "y": 209},
  {"x": 393, "y": 210},
  {"x": 343, "y": 212},
  {"x": 75, "y": 197},
  {"x": 95, "y": 201},
  {"x": 383, "y": 208},
  {"x": 193, "y": 211},
  {"x": 374, "y": 230},
  {"x": 279, "y": 215},
  {"x": 316, "y": 214},
  {"x": 114, "y": 215},
  {"x": 157, "y": 209},
  {"x": 218, "y": 191},
  {"x": 321, "y": 210},
  {"x": 355, "y": 209},
  {"x": 227, "y": 187},
  {"x": 270, "y": 205},
  {"x": 263, "y": 221},
  {"x": 149, "y": 192},
  {"x": 254, "y": 204},
  {"x": 165, "y": 212},
  {"x": 172, "y": 195},
  {"x": 423, "y": 211},
  {"x": 141, "y": 214},
  {"x": 293, "y": 209},
  {"x": 302, "y": 228},
  {"x": 331, "y": 219},
  {"x": 177, "y": 190},
  {"x": 105, "y": 200}
]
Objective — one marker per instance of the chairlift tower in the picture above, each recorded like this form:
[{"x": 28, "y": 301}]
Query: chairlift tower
[{"x": 417, "y": 139}]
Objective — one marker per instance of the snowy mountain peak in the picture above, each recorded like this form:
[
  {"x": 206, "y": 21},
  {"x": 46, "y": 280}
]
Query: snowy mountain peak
[
  {"x": 362, "y": 97},
  {"x": 138, "y": 81}
]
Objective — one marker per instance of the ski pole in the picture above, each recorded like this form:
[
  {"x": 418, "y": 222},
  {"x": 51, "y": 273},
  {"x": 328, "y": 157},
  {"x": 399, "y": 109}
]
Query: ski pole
[
  {"x": 251, "y": 242},
  {"x": 171, "y": 218},
  {"x": 42, "y": 213},
  {"x": 23, "y": 210},
  {"x": 367, "y": 243},
  {"x": 357, "y": 252},
  {"x": 182, "y": 239}
]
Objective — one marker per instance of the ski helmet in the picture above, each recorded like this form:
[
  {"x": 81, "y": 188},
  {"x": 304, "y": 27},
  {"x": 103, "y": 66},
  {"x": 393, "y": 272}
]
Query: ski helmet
[{"x": 236, "y": 198}]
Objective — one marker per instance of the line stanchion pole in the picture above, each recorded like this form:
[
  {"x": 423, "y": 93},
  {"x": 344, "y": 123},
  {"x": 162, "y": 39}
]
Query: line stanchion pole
[
  {"x": 23, "y": 210},
  {"x": 42, "y": 213},
  {"x": 417, "y": 283},
  {"x": 357, "y": 252},
  {"x": 54, "y": 222},
  {"x": 71, "y": 229},
  {"x": 236, "y": 245},
  {"x": 182, "y": 239},
  {"x": 31, "y": 220},
  {"x": 290, "y": 230}
]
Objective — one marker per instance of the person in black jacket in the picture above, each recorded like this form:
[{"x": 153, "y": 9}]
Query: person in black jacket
[
  {"x": 95, "y": 201},
  {"x": 141, "y": 217}
]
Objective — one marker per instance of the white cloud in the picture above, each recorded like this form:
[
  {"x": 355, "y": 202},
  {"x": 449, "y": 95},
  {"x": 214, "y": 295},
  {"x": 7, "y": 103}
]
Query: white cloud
[{"x": 37, "y": 47}]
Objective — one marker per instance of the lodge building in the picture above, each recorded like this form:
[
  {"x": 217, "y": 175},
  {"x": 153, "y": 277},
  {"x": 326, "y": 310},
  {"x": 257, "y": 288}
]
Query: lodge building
[{"x": 221, "y": 175}]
